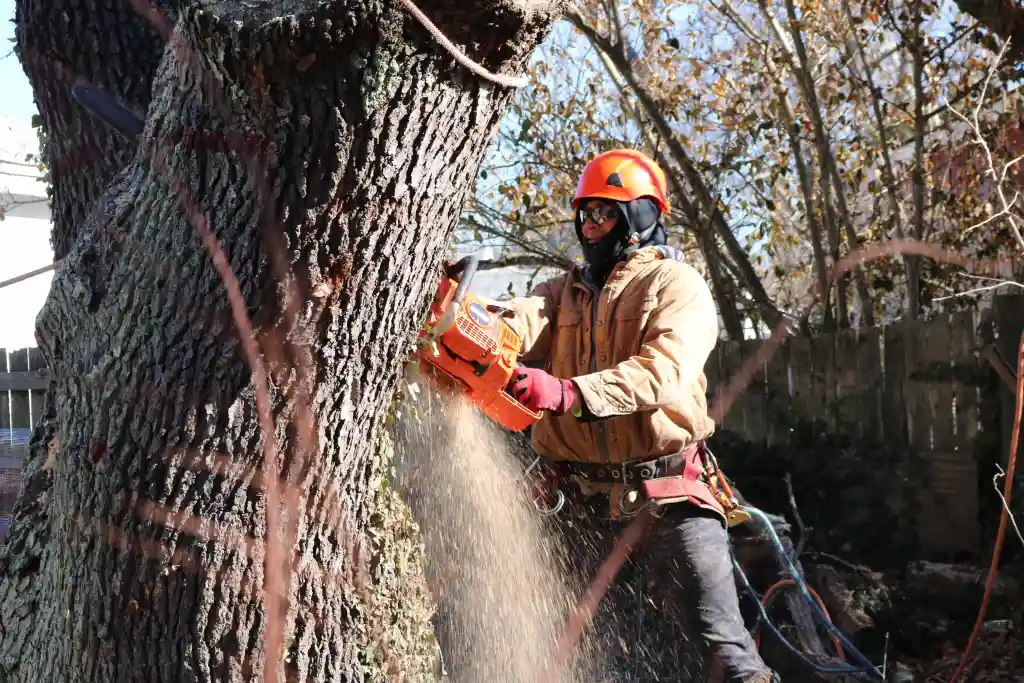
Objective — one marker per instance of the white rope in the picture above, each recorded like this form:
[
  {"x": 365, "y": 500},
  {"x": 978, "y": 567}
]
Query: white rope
[
  {"x": 460, "y": 57},
  {"x": 24, "y": 276}
]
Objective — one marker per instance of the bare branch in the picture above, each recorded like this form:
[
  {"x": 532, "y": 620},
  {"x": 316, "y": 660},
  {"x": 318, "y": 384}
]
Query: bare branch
[
  {"x": 1009, "y": 513},
  {"x": 707, "y": 198},
  {"x": 999, "y": 177},
  {"x": 980, "y": 290},
  {"x": 25, "y": 276},
  {"x": 532, "y": 260}
]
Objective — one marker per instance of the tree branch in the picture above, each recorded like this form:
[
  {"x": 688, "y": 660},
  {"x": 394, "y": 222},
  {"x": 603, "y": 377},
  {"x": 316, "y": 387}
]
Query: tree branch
[
  {"x": 829, "y": 168},
  {"x": 807, "y": 189},
  {"x": 532, "y": 260},
  {"x": 707, "y": 198},
  {"x": 996, "y": 177},
  {"x": 914, "y": 263}
]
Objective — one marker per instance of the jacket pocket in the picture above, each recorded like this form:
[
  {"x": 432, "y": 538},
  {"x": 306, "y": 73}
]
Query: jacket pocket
[
  {"x": 635, "y": 309},
  {"x": 631, "y": 310},
  {"x": 627, "y": 330},
  {"x": 568, "y": 344}
]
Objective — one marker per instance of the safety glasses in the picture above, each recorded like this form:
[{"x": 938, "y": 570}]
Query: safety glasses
[{"x": 597, "y": 212}]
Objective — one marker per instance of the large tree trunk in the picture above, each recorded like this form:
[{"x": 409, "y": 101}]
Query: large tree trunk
[
  {"x": 322, "y": 161},
  {"x": 113, "y": 47},
  {"x": 83, "y": 155}
]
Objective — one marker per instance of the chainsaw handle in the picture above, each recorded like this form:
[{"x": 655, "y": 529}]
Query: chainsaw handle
[{"x": 465, "y": 270}]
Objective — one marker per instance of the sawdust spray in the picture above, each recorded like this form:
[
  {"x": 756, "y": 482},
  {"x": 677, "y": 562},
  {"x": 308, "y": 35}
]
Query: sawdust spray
[{"x": 503, "y": 590}]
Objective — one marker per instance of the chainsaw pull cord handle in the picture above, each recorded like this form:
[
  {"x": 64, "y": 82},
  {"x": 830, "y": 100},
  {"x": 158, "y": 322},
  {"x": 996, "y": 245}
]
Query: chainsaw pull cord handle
[{"x": 465, "y": 270}]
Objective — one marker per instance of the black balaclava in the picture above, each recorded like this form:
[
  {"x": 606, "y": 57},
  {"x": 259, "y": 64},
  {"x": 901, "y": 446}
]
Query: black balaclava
[{"x": 639, "y": 217}]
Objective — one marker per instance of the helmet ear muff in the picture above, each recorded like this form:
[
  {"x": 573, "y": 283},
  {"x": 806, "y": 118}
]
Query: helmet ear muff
[{"x": 642, "y": 215}]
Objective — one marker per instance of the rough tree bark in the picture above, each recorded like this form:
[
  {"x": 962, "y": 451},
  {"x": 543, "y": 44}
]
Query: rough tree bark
[
  {"x": 83, "y": 155},
  {"x": 114, "y": 48},
  {"x": 1005, "y": 18},
  {"x": 323, "y": 151}
]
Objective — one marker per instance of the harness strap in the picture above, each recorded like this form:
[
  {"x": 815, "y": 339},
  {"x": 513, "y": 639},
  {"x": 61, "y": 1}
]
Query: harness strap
[{"x": 692, "y": 475}]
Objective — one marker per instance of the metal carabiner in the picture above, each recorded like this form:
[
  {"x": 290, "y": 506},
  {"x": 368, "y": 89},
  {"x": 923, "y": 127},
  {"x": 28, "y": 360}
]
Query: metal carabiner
[
  {"x": 551, "y": 511},
  {"x": 560, "y": 496},
  {"x": 622, "y": 503}
]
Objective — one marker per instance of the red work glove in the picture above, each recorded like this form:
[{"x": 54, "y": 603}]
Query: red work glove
[{"x": 537, "y": 390}]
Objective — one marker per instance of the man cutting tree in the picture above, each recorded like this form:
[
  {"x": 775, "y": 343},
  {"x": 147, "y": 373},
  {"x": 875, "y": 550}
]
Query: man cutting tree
[{"x": 623, "y": 341}]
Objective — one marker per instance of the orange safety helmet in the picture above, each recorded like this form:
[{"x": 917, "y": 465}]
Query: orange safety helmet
[{"x": 623, "y": 175}]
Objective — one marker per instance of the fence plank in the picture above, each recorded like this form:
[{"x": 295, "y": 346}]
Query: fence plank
[
  {"x": 966, "y": 377},
  {"x": 915, "y": 394},
  {"x": 869, "y": 373},
  {"x": 753, "y": 396},
  {"x": 948, "y": 489},
  {"x": 36, "y": 395},
  {"x": 5, "y": 399},
  {"x": 916, "y": 390},
  {"x": 895, "y": 423},
  {"x": 938, "y": 340},
  {"x": 21, "y": 415},
  {"x": 964, "y": 345},
  {"x": 824, "y": 386},
  {"x": 894, "y": 415},
  {"x": 847, "y": 391},
  {"x": 24, "y": 381},
  {"x": 801, "y": 367},
  {"x": 778, "y": 404},
  {"x": 12, "y": 450},
  {"x": 731, "y": 361}
]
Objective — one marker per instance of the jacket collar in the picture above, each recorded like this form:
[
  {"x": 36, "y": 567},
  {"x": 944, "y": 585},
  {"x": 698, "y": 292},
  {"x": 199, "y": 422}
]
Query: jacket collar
[{"x": 628, "y": 269}]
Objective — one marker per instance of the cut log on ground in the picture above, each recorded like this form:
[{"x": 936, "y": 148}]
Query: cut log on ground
[{"x": 955, "y": 586}]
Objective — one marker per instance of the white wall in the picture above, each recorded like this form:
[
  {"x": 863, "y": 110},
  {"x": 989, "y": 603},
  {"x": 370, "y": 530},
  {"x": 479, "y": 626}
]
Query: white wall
[{"x": 24, "y": 235}]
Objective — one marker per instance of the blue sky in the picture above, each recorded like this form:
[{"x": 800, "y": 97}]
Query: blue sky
[{"x": 17, "y": 103}]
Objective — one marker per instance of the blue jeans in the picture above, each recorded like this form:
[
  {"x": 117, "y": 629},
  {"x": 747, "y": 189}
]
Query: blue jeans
[
  {"x": 688, "y": 553},
  {"x": 678, "y": 586}
]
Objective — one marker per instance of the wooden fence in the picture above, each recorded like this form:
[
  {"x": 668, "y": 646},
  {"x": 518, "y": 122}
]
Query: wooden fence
[
  {"x": 933, "y": 391},
  {"x": 923, "y": 388},
  {"x": 23, "y": 381}
]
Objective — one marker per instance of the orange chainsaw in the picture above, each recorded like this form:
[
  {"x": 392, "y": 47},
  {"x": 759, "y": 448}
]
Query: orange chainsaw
[{"x": 466, "y": 344}]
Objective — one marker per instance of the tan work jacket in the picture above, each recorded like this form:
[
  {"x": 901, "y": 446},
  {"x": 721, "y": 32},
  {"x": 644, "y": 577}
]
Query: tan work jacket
[{"x": 636, "y": 349}]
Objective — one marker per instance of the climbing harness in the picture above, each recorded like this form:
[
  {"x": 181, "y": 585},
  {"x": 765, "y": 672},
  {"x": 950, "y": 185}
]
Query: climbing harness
[{"x": 643, "y": 484}]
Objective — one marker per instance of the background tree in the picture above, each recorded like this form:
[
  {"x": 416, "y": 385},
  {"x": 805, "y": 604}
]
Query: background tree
[
  {"x": 201, "y": 500},
  {"x": 791, "y": 132}
]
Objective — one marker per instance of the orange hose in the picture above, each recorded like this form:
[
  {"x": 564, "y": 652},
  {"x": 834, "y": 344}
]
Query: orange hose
[
  {"x": 790, "y": 582},
  {"x": 1003, "y": 518}
]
